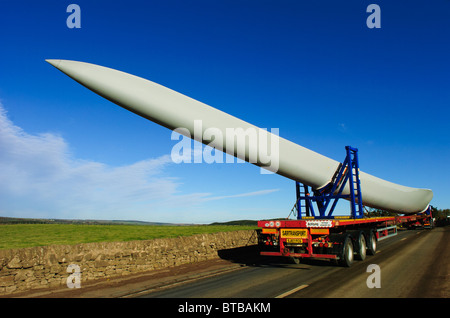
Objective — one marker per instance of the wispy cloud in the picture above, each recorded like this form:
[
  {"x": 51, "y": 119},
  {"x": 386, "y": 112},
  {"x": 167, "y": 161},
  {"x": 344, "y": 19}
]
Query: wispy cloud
[
  {"x": 342, "y": 127},
  {"x": 40, "y": 177},
  {"x": 241, "y": 195}
]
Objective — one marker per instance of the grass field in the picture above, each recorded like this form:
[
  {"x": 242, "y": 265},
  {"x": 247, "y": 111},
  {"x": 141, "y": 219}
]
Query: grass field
[{"x": 28, "y": 235}]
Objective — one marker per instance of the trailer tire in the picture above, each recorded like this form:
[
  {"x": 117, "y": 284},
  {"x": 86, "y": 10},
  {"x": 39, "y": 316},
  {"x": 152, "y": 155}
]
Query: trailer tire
[
  {"x": 361, "y": 246},
  {"x": 346, "y": 254},
  {"x": 371, "y": 243}
]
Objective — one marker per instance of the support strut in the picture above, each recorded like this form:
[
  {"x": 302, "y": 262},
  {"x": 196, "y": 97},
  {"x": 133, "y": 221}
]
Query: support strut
[{"x": 347, "y": 173}]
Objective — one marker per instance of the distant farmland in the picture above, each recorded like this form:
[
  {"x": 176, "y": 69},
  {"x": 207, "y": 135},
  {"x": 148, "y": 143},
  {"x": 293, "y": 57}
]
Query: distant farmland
[{"x": 19, "y": 235}]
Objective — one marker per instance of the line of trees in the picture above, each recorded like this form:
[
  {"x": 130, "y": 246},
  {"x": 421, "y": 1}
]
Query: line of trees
[{"x": 442, "y": 217}]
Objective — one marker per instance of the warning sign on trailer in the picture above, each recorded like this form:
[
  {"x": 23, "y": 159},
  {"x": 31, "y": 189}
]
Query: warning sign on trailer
[
  {"x": 319, "y": 223},
  {"x": 294, "y": 233}
]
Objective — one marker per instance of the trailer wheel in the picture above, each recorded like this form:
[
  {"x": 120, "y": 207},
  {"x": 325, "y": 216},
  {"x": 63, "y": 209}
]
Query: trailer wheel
[
  {"x": 371, "y": 243},
  {"x": 295, "y": 260},
  {"x": 361, "y": 246},
  {"x": 346, "y": 254}
]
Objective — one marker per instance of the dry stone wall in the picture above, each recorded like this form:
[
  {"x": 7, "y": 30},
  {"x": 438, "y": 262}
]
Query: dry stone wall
[{"x": 50, "y": 266}]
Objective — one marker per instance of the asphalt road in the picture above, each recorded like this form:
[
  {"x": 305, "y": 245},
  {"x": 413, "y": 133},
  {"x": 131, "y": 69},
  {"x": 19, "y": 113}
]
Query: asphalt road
[{"x": 412, "y": 264}]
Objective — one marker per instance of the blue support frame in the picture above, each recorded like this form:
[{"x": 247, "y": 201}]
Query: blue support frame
[{"x": 348, "y": 172}]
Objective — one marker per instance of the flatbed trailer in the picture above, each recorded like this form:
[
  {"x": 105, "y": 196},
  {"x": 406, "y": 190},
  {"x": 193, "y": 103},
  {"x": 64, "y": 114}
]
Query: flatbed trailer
[
  {"x": 339, "y": 239},
  {"x": 320, "y": 234}
]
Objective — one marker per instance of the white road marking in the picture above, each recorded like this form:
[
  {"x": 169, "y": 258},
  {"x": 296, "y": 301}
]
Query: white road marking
[{"x": 292, "y": 291}]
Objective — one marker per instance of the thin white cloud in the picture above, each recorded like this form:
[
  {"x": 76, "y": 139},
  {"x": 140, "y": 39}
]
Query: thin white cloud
[
  {"x": 39, "y": 177},
  {"x": 342, "y": 127},
  {"x": 241, "y": 195}
]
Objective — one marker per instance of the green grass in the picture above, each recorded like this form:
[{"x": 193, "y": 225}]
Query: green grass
[{"x": 28, "y": 235}]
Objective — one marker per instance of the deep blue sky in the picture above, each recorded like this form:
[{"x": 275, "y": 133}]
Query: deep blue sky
[{"x": 313, "y": 70}]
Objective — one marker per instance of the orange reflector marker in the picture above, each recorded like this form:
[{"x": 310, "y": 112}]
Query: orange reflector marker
[
  {"x": 320, "y": 231},
  {"x": 269, "y": 231}
]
